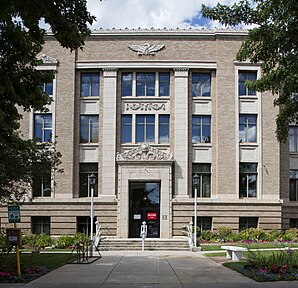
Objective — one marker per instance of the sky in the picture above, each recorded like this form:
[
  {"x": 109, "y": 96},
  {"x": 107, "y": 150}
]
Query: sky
[{"x": 151, "y": 13}]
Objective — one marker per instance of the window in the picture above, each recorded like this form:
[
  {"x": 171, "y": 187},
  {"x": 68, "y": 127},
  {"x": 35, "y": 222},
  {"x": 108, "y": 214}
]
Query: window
[
  {"x": 164, "y": 129},
  {"x": 86, "y": 170},
  {"x": 41, "y": 225},
  {"x": 293, "y": 139},
  {"x": 247, "y": 128},
  {"x": 47, "y": 88},
  {"x": 43, "y": 127},
  {"x": 201, "y": 84},
  {"x": 293, "y": 185},
  {"x": 83, "y": 225},
  {"x": 248, "y": 222},
  {"x": 41, "y": 186},
  {"x": 89, "y": 84},
  {"x": 201, "y": 129},
  {"x": 89, "y": 129},
  {"x": 126, "y": 84},
  {"x": 164, "y": 84},
  {"x": 145, "y": 128},
  {"x": 145, "y": 84},
  {"x": 293, "y": 223},
  {"x": 248, "y": 180},
  {"x": 204, "y": 186},
  {"x": 126, "y": 128},
  {"x": 246, "y": 76},
  {"x": 204, "y": 224}
]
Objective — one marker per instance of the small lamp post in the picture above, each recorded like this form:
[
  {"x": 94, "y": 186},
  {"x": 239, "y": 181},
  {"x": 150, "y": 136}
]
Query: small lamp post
[
  {"x": 92, "y": 181},
  {"x": 195, "y": 182}
]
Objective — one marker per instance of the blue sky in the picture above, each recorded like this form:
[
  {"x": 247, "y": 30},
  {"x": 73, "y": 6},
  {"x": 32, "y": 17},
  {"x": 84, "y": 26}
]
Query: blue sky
[{"x": 151, "y": 13}]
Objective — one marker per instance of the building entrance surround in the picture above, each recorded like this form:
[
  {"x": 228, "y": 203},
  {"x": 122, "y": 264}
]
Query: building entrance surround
[{"x": 144, "y": 168}]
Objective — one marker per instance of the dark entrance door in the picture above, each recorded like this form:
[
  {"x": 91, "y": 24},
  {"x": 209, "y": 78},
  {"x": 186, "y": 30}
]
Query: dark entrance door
[{"x": 144, "y": 203}]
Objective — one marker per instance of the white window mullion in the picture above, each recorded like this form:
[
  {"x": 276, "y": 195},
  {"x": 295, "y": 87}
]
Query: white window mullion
[
  {"x": 134, "y": 84},
  {"x": 157, "y": 84}
]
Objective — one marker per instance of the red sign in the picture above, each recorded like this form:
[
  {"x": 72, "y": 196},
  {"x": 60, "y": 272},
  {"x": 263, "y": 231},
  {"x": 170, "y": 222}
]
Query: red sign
[{"x": 151, "y": 215}]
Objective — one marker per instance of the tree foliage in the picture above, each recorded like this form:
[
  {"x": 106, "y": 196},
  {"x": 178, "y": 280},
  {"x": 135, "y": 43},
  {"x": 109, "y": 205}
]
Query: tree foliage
[
  {"x": 21, "y": 40},
  {"x": 273, "y": 43}
]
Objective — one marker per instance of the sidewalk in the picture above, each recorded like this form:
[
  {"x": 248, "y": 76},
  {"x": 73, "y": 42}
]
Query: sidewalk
[{"x": 148, "y": 269}]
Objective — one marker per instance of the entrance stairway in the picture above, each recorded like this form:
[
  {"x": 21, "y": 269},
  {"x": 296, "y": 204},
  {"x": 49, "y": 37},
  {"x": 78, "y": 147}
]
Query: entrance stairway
[{"x": 151, "y": 244}]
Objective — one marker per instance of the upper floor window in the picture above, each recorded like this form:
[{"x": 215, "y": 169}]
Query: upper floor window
[
  {"x": 47, "y": 88},
  {"x": 201, "y": 129},
  {"x": 43, "y": 127},
  {"x": 89, "y": 84},
  {"x": 204, "y": 173},
  {"x": 293, "y": 139},
  {"x": 248, "y": 180},
  {"x": 41, "y": 186},
  {"x": 164, "y": 84},
  {"x": 201, "y": 84},
  {"x": 246, "y": 76},
  {"x": 293, "y": 185},
  {"x": 126, "y": 128},
  {"x": 89, "y": 129},
  {"x": 86, "y": 170},
  {"x": 164, "y": 129},
  {"x": 247, "y": 128},
  {"x": 145, "y": 84},
  {"x": 145, "y": 128},
  {"x": 126, "y": 84}
]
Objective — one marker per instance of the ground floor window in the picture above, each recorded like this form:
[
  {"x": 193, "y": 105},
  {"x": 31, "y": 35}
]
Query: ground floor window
[
  {"x": 294, "y": 223},
  {"x": 86, "y": 170},
  {"x": 248, "y": 222},
  {"x": 203, "y": 223},
  {"x": 204, "y": 185},
  {"x": 293, "y": 185},
  {"x": 83, "y": 224},
  {"x": 41, "y": 224}
]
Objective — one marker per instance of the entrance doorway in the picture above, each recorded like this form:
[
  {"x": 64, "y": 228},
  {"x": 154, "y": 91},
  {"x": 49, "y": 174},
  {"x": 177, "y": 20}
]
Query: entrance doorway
[{"x": 144, "y": 205}]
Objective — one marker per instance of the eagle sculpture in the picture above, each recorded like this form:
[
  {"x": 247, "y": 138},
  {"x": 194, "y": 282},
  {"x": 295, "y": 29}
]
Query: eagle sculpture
[{"x": 146, "y": 49}]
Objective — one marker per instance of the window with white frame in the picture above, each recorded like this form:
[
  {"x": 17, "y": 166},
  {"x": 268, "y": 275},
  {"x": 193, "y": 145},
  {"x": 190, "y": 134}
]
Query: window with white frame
[
  {"x": 145, "y": 84},
  {"x": 244, "y": 76},
  {"x": 43, "y": 127},
  {"x": 203, "y": 170},
  {"x": 201, "y": 129},
  {"x": 145, "y": 128},
  {"x": 293, "y": 139},
  {"x": 293, "y": 185},
  {"x": 41, "y": 225},
  {"x": 248, "y": 176},
  {"x": 126, "y": 128},
  {"x": 47, "y": 88},
  {"x": 201, "y": 84},
  {"x": 90, "y": 84},
  {"x": 247, "y": 128},
  {"x": 86, "y": 170},
  {"x": 89, "y": 129},
  {"x": 163, "y": 128}
]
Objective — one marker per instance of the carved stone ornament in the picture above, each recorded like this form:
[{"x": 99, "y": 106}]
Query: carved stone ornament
[
  {"x": 47, "y": 59},
  {"x": 146, "y": 49},
  {"x": 145, "y": 106},
  {"x": 144, "y": 153}
]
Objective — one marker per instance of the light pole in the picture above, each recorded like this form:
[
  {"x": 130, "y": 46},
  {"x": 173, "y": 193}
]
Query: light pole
[
  {"x": 195, "y": 182},
  {"x": 92, "y": 181}
]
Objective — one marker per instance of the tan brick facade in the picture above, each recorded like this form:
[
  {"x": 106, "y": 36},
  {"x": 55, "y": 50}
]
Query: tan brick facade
[{"x": 185, "y": 52}]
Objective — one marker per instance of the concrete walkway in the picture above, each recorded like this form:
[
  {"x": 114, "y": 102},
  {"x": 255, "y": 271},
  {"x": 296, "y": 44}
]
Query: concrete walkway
[{"x": 146, "y": 270}]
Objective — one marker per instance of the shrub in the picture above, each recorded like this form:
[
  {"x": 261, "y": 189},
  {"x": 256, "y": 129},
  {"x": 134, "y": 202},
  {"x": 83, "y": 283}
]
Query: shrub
[
  {"x": 253, "y": 234},
  {"x": 65, "y": 241},
  {"x": 29, "y": 240},
  {"x": 274, "y": 235},
  {"x": 37, "y": 240},
  {"x": 290, "y": 234},
  {"x": 207, "y": 235},
  {"x": 80, "y": 237},
  {"x": 224, "y": 234}
]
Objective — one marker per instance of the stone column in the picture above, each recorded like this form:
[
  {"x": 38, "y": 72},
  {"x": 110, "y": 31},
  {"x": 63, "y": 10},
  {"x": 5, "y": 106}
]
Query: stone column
[
  {"x": 181, "y": 132},
  {"x": 109, "y": 133}
]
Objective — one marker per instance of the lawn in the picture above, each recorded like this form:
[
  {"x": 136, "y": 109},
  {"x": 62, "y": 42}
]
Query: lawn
[{"x": 33, "y": 264}]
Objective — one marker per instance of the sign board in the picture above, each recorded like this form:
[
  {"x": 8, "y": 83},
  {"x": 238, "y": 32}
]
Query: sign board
[
  {"x": 13, "y": 236},
  {"x": 136, "y": 216},
  {"x": 14, "y": 215},
  {"x": 151, "y": 215}
]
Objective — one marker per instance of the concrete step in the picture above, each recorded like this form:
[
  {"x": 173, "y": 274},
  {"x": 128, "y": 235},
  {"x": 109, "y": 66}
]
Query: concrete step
[{"x": 117, "y": 244}]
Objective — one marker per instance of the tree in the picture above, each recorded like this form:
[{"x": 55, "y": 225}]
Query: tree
[
  {"x": 21, "y": 40},
  {"x": 274, "y": 44}
]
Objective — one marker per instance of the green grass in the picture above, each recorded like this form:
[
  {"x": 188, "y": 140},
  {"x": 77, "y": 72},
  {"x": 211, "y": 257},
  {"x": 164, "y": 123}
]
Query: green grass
[
  {"x": 222, "y": 254},
  {"x": 219, "y": 254},
  {"x": 236, "y": 266}
]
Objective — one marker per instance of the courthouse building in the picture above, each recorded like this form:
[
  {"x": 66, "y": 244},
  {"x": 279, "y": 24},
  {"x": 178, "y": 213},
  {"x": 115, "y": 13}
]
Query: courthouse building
[{"x": 145, "y": 110}]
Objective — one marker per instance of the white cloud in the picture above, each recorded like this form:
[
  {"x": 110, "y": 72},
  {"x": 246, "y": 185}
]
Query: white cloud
[{"x": 148, "y": 13}]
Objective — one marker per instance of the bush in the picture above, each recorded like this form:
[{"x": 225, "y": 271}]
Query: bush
[
  {"x": 29, "y": 240},
  {"x": 290, "y": 234},
  {"x": 274, "y": 235},
  {"x": 80, "y": 237},
  {"x": 254, "y": 234},
  {"x": 37, "y": 240},
  {"x": 223, "y": 234},
  {"x": 65, "y": 241},
  {"x": 207, "y": 235}
]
